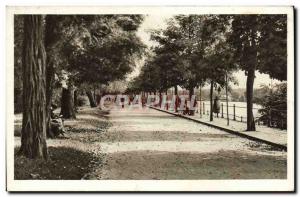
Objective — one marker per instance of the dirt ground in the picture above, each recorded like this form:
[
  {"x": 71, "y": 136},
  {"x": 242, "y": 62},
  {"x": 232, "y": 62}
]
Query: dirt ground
[{"x": 148, "y": 144}]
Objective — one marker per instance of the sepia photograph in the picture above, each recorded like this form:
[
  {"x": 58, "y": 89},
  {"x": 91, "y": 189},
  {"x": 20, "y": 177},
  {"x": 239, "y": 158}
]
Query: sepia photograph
[{"x": 150, "y": 99}]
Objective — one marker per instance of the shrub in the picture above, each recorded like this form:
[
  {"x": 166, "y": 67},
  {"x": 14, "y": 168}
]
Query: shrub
[{"x": 274, "y": 106}]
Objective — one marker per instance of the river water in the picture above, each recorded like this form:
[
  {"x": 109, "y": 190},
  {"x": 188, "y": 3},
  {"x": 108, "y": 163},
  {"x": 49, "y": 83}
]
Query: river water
[{"x": 240, "y": 109}]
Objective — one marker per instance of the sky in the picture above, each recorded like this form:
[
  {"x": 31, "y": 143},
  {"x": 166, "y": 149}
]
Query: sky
[{"x": 159, "y": 22}]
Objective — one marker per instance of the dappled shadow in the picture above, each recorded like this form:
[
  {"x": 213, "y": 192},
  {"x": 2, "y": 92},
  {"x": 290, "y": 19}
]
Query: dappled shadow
[
  {"x": 126, "y": 136},
  {"x": 84, "y": 125},
  {"x": 64, "y": 163},
  {"x": 143, "y": 165},
  {"x": 129, "y": 116},
  {"x": 89, "y": 120},
  {"x": 94, "y": 111}
]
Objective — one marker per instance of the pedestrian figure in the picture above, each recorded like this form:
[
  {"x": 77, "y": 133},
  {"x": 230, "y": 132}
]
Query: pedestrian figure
[
  {"x": 216, "y": 106},
  {"x": 143, "y": 101},
  {"x": 122, "y": 101},
  {"x": 131, "y": 100},
  {"x": 186, "y": 111}
]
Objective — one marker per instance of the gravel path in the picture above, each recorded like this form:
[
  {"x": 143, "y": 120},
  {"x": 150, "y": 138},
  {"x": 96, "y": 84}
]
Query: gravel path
[{"x": 148, "y": 144}]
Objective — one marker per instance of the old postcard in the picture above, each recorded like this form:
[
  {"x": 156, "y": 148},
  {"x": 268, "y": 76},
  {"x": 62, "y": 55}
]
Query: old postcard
[{"x": 150, "y": 99}]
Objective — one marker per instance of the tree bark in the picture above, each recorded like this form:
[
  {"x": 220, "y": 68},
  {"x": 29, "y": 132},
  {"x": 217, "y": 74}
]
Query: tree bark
[
  {"x": 33, "y": 135},
  {"x": 251, "y": 51},
  {"x": 211, "y": 118},
  {"x": 94, "y": 93},
  {"x": 91, "y": 98},
  {"x": 176, "y": 90},
  {"x": 176, "y": 98},
  {"x": 67, "y": 103},
  {"x": 75, "y": 100},
  {"x": 249, "y": 95}
]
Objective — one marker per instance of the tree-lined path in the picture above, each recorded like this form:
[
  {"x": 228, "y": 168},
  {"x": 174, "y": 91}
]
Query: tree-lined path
[
  {"x": 67, "y": 62},
  {"x": 148, "y": 144}
]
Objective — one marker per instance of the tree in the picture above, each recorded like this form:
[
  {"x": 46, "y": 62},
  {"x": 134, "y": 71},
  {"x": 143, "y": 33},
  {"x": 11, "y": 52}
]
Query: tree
[
  {"x": 91, "y": 98},
  {"x": 167, "y": 54},
  {"x": 149, "y": 79},
  {"x": 186, "y": 52},
  {"x": 192, "y": 52},
  {"x": 54, "y": 26},
  {"x": 106, "y": 51},
  {"x": 203, "y": 35},
  {"x": 33, "y": 136},
  {"x": 59, "y": 29},
  {"x": 260, "y": 44}
]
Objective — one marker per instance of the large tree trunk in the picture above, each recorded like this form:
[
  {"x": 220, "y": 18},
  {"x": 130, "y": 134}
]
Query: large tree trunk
[
  {"x": 211, "y": 118},
  {"x": 94, "y": 93},
  {"x": 249, "y": 95},
  {"x": 160, "y": 98},
  {"x": 251, "y": 51},
  {"x": 75, "y": 100},
  {"x": 67, "y": 103},
  {"x": 91, "y": 98},
  {"x": 33, "y": 135},
  {"x": 176, "y": 98}
]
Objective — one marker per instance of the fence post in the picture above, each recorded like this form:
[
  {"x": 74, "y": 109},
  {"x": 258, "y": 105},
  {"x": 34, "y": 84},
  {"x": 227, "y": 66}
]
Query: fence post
[
  {"x": 203, "y": 108},
  {"x": 241, "y": 118},
  {"x": 233, "y": 111},
  {"x": 222, "y": 110}
]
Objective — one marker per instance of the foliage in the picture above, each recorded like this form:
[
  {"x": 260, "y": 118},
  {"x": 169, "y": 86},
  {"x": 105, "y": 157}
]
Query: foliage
[
  {"x": 84, "y": 50},
  {"x": 106, "y": 50},
  {"x": 267, "y": 35},
  {"x": 166, "y": 55},
  {"x": 191, "y": 50},
  {"x": 274, "y": 106},
  {"x": 149, "y": 79},
  {"x": 259, "y": 43}
]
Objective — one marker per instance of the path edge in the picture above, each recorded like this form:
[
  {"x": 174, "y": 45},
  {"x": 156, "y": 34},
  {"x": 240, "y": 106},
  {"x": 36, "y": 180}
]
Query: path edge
[{"x": 243, "y": 135}]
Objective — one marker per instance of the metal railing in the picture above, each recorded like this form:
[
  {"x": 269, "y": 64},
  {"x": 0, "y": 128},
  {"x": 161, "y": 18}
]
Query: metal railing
[
  {"x": 233, "y": 116},
  {"x": 204, "y": 109}
]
